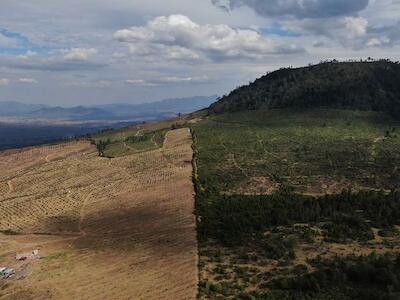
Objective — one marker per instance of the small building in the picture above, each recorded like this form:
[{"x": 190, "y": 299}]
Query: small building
[
  {"x": 7, "y": 272},
  {"x": 24, "y": 256}
]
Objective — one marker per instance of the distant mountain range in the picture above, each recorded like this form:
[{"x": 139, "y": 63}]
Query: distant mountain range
[{"x": 117, "y": 112}]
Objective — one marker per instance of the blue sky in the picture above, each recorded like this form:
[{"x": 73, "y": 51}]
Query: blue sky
[{"x": 97, "y": 51}]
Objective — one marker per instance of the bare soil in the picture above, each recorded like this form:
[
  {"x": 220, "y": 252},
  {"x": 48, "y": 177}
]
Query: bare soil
[{"x": 118, "y": 228}]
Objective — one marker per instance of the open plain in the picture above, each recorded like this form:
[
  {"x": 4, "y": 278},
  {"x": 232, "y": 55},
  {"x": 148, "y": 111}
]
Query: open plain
[{"x": 120, "y": 228}]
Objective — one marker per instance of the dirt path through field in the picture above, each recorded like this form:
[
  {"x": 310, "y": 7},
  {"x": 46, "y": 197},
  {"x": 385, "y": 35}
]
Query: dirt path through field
[{"x": 139, "y": 132}]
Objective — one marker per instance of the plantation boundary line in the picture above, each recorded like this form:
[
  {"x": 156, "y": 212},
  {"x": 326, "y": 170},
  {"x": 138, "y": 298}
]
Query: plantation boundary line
[
  {"x": 196, "y": 187},
  {"x": 196, "y": 181}
]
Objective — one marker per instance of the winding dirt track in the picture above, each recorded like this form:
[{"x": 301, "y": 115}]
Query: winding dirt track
[{"x": 115, "y": 229}]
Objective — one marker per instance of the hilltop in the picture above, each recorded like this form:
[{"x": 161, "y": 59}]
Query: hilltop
[{"x": 373, "y": 86}]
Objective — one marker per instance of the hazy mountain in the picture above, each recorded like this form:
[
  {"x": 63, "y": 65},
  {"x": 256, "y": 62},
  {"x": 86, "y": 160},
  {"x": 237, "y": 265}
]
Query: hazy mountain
[
  {"x": 16, "y": 109},
  {"x": 73, "y": 113},
  {"x": 167, "y": 106},
  {"x": 154, "y": 110}
]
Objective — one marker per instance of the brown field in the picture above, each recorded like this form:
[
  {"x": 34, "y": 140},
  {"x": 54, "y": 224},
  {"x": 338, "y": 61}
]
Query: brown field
[{"x": 119, "y": 228}]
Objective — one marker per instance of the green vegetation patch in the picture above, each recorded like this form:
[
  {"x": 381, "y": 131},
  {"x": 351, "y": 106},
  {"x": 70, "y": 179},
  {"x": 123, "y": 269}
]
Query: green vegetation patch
[
  {"x": 345, "y": 216},
  {"x": 278, "y": 192},
  {"x": 313, "y": 151},
  {"x": 351, "y": 277},
  {"x": 139, "y": 142},
  {"x": 9, "y": 232}
]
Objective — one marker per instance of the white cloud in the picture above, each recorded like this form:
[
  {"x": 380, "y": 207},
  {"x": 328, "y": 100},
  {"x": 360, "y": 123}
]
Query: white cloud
[
  {"x": 90, "y": 84},
  {"x": 169, "y": 80},
  {"x": 78, "y": 53},
  {"x": 27, "y": 55},
  {"x": 138, "y": 82},
  {"x": 374, "y": 42},
  {"x": 348, "y": 32},
  {"x": 175, "y": 79},
  {"x": 4, "y": 81},
  {"x": 27, "y": 80},
  {"x": 75, "y": 59},
  {"x": 356, "y": 26},
  {"x": 176, "y": 37}
]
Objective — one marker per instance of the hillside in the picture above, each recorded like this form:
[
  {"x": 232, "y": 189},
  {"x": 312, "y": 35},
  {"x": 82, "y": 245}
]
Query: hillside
[
  {"x": 354, "y": 85},
  {"x": 298, "y": 204},
  {"x": 297, "y": 186},
  {"x": 119, "y": 228},
  {"x": 291, "y": 202}
]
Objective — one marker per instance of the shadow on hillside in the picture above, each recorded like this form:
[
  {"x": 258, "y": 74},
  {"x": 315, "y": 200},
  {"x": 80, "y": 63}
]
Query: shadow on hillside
[{"x": 157, "y": 230}]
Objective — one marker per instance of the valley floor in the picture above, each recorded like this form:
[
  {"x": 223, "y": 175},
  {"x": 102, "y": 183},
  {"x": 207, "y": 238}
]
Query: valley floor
[{"x": 120, "y": 228}]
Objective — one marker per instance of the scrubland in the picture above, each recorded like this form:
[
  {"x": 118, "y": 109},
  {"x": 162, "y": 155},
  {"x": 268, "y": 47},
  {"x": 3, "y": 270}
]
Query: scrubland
[{"x": 298, "y": 204}]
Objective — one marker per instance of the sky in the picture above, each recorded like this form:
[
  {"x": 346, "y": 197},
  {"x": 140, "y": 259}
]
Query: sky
[{"x": 86, "y": 52}]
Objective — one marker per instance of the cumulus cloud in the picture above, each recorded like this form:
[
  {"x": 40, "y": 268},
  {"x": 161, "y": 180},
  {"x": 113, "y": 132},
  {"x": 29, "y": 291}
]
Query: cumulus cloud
[
  {"x": 168, "y": 80},
  {"x": 27, "y": 80},
  {"x": 176, "y": 37},
  {"x": 357, "y": 27},
  {"x": 78, "y": 53},
  {"x": 4, "y": 81},
  {"x": 74, "y": 59},
  {"x": 384, "y": 35},
  {"x": 297, "y": 8},
  {"x": 350, "y": 32}
]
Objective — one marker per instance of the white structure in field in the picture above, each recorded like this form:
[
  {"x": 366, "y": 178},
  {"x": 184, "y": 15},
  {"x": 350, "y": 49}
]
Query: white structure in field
[
  {"x": 23, "y": 256},
  {"x": 7, "y": 272}
]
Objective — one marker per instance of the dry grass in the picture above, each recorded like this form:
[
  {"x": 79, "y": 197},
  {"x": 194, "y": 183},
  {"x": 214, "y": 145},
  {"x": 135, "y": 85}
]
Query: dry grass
[{"x": 118, "y": 228}]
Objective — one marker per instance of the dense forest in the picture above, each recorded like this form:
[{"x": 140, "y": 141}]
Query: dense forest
[
  {"x": 342, "y": 217},
  {"x": 370, "y": 85}
]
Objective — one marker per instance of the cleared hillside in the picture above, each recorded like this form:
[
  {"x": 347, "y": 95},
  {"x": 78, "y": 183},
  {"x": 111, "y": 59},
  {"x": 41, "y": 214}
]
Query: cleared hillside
[{"x": 118, "y": 228}]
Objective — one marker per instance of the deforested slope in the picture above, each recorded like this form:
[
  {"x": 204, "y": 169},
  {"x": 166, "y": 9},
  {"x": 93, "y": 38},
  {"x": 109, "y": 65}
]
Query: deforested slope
[{"x": 119, "y": 228}]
